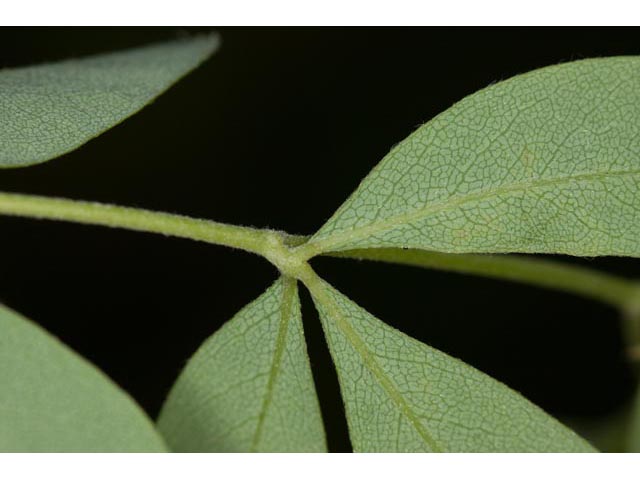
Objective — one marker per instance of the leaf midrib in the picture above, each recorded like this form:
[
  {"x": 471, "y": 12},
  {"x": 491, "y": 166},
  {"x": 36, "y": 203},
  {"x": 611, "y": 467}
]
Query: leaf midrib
[
  {"x": 333, "y": 242},
  {"x": 321, "y": 293},
  {"x": 288, "y": 291}
]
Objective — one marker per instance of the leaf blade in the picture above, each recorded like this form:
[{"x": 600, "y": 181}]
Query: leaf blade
[
  {"x": 249, "y": 386},
  {"x": 52, "y": 400},
  {"x": 51, "y": 109},
  {"x": 546, "y": 162},
  {"x": 401, "y": 395}
]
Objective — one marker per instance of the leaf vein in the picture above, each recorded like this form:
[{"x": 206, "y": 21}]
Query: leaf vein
[{"x": 333, "y": 242}]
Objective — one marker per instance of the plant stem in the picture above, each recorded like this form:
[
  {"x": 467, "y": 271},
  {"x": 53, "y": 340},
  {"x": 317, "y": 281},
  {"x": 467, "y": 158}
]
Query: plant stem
[
  {"x": 249, "y": 239},
  {"x": 281, "y": 249},
  {"x": 619, "y": 292}
]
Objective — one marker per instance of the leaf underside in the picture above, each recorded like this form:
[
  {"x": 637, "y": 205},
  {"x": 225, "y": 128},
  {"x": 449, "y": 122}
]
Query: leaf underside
[
  {"x": 52, "y": 400},
  {"x": 50, "y": 109},
  {"x": 249, "y": 387},
  {"x": 403, "y": 396},
  {"x": 545, "y": 162}
]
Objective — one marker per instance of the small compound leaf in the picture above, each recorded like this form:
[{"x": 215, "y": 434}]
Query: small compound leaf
[
  {"x": 52, "y": 400},
  {"x": 403, "y": 396},
  {"x": 545, "y": 162},
  {"x": 249, "y": 386},
  {"x": 48, "y": 110}
]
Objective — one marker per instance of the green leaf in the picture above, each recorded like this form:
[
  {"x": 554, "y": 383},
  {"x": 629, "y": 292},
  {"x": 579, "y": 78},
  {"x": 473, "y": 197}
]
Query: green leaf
[
  {"x": 249, "y": 387},
  {"x": 545, "y": 162},
  {"x": 52, "y": 400},
  {"x": 403, "y": 396},
  {"x": 48, "y": 110}
]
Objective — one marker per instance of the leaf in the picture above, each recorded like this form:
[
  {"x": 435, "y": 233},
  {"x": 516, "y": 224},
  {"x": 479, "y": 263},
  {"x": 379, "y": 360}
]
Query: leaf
[
  {"x": 52, "y": 400},
  {"x": 249, "y": 386},
  {"x": 48, "y": 110},
  {"x": 403, "y": 396},
  {"x": 548, "y": 161}
]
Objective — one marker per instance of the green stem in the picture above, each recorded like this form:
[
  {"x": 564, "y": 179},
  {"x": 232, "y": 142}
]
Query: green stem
[
  {"x": 283, "y": 250},
  {"x": 249, "y": 239},
  {"x": 619, "y": 292}
]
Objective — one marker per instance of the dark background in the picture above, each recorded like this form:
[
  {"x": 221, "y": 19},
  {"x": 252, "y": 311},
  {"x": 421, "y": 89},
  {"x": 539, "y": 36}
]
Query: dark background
[{"x": 275, "y": 131}]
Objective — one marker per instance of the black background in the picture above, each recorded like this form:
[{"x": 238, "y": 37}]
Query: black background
[{"x": 275, "y": 131}]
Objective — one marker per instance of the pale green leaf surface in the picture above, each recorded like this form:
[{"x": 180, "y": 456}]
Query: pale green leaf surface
[
  {"x": 249, "y": 386},
  {"x": 52, "y": 400},
  {"x": 548, "y": 161},
  {"x": 403, "y": 396},
  {"x": 50, "y": 109}
]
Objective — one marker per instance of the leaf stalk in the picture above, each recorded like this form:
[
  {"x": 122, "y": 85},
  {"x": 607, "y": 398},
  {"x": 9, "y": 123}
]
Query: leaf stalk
[{"x": 288, "y": 254}]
